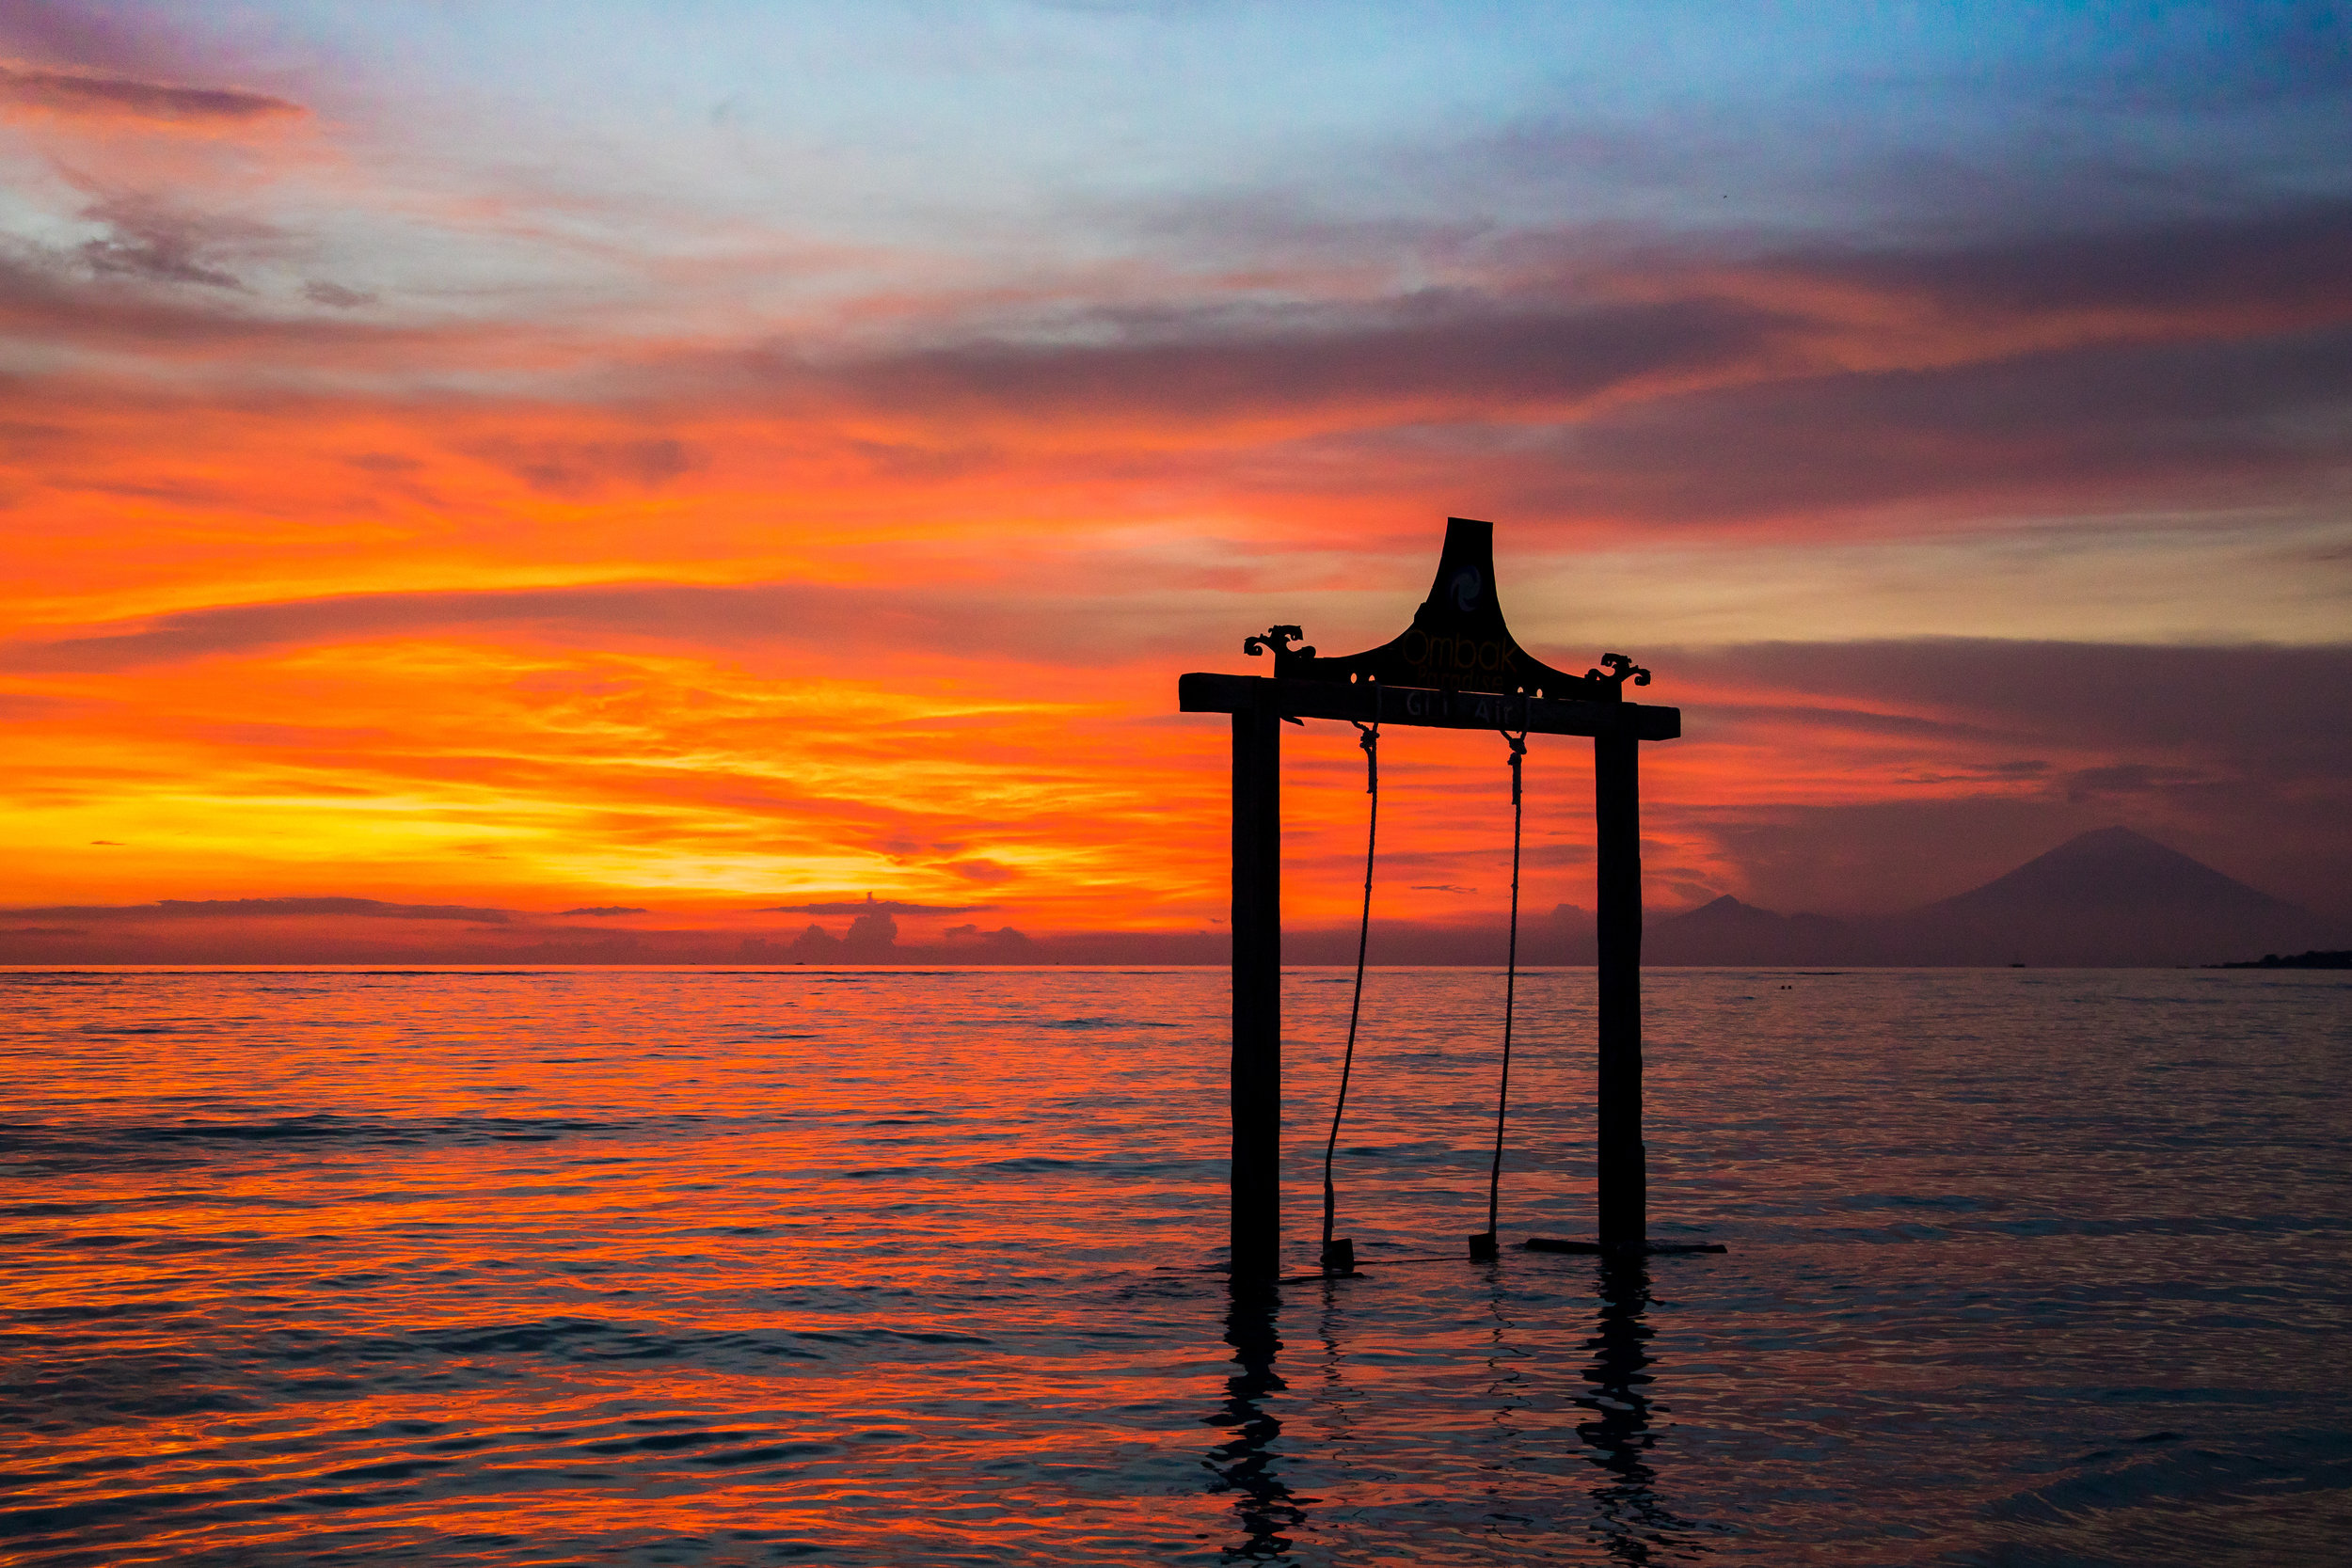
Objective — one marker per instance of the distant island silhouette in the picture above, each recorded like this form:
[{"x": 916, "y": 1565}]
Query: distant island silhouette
[{"x": 2339, "y": 959}]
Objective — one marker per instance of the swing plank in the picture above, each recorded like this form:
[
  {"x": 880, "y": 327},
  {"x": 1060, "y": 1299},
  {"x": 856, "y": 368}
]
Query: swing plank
[{"x": 1371, "y": 701}]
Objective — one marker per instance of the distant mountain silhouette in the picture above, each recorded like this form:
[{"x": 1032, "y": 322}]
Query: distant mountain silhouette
[
  {"x": 2109, "y": 897},
  {"x": 2112, "y": 896},
  {"x": 2341, "y": 958}
]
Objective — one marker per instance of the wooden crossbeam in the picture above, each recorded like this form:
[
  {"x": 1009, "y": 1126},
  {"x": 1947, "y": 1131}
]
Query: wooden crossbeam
[{"x": 1373, "y": 701}]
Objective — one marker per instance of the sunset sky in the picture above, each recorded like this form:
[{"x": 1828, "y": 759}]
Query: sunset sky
[{"x": 713, "y": 460}]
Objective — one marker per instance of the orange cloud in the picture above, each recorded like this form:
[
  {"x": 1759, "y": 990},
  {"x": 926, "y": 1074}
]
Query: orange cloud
[{"x": 86, "y": 95}]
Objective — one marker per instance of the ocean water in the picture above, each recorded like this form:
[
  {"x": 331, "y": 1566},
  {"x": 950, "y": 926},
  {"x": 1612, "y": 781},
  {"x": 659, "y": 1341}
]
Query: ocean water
[{"x": 895, "y": 1267}]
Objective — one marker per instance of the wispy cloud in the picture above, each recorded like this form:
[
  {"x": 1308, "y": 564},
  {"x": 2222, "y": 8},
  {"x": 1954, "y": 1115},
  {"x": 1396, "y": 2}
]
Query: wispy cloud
[
  {"x": 148, "y": 241},
  {"x": 874, "y": 905},
  {"x": 272, "y": 908},
  {"x": 585, "y": 467},
  {"x": 103, "y": 97}
]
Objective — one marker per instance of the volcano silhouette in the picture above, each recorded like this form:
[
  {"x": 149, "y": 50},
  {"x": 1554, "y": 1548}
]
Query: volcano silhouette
[
  {"x": 2112, "y": 896},
  {"x": 2107, "y": 898}
]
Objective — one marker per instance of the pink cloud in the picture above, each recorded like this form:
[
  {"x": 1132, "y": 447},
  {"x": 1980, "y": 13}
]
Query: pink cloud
[{"x": 88, "y": 95}]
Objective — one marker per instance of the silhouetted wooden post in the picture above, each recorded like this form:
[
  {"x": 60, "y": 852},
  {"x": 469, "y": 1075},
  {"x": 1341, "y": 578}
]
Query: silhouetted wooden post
[
  {"x": 1624, "y": 1195},
  {"x": 1456, "y": 667},
  {"x": 1257, "y": 1084}
]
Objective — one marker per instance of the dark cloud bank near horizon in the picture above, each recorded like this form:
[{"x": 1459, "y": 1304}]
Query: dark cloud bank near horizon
[{"x": 2109, "y": 897}]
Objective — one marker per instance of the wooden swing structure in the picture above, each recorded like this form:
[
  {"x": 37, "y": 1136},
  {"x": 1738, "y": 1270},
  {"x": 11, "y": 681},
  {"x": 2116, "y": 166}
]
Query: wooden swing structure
[{"x": 1456, "y": 666}]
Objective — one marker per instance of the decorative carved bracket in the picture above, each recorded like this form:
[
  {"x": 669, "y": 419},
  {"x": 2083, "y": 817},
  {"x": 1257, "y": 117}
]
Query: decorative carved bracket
[
  {"x": 1619, "y": 668},
  {"x": 1278, "y": 638}
]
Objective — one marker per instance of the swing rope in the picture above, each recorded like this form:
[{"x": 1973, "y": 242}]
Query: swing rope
[
  {"x": 1338, "y": 1258},
  {"x": 1510, "y": 983},
  {"x": 1368, "y": 736}
]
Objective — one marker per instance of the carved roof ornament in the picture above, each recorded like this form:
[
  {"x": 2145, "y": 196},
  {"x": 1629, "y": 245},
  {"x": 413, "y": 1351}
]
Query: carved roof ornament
[{"x": 1457, "y": 641}]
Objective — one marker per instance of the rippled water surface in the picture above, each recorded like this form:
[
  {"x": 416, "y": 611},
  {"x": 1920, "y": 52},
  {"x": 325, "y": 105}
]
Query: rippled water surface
[{"x": 886, "y": 1267}]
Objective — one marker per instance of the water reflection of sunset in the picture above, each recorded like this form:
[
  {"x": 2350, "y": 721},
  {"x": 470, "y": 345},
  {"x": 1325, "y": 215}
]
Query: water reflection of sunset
[{"x": 881, "y": 1266}]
